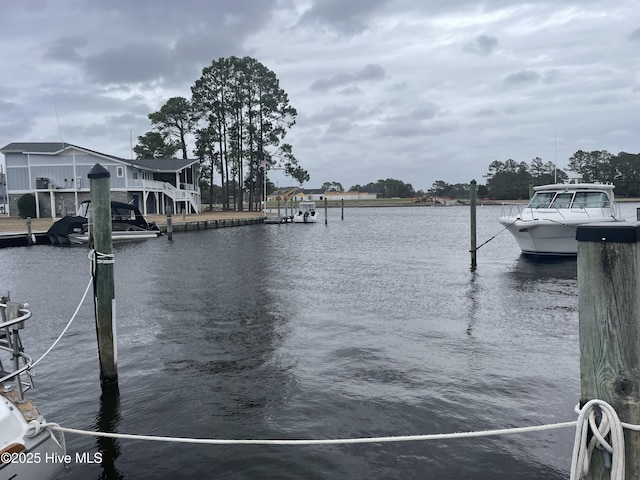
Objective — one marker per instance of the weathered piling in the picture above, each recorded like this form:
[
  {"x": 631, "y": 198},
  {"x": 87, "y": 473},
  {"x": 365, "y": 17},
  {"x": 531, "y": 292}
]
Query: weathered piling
[
  {"x": 30, "y": 236},
  {"x": 473, "y": 200},
  {"x": 342, "y": 209},
  {"x": 609, "y": 313},
  {"x": 326, "y": 219},
  {"x": 169, "y": 224},
  {"x": 103, "y": 281}
]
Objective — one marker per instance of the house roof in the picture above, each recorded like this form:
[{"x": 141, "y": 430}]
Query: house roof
[
  {"x": 163, "y": 164},
  {"x": 52, "y": 148}
]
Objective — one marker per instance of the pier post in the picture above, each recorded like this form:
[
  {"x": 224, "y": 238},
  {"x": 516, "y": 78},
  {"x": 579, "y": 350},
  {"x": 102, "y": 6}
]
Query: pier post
[
  {"x": 474, "y": 194},
  {"x": 342, "y": 209},
  {"x": 169, "y": 223},
  {"x": 326, "y": 220},
  {"x": 608, "y": 268},
  {"x": 279, "y": 217},
  {"x": 30, "y": 237},
  {"x": 103, "y": 281}
]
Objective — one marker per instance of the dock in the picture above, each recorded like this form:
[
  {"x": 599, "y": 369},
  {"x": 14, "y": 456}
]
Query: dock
[{"x": 13, "y": 230}]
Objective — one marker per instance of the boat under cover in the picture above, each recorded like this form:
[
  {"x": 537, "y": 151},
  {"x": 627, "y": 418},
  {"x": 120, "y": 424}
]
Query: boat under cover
[
  {"x": 547, "y": 225},
  {"x": 127, "y": 223}
]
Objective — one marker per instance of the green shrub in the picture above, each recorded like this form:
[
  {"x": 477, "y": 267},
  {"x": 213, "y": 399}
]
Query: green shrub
[{"x": 27, "y": 205}]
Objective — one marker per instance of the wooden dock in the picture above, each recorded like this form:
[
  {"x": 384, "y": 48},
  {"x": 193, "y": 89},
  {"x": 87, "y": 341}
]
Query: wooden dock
[{"x": 13, "y": 230}]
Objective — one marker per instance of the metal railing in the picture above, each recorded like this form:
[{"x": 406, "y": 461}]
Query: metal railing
[{"x": 11, "y": 343}]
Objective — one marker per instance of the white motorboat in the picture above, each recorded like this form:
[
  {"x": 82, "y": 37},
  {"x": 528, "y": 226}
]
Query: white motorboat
[
  {"x": 547, "y": 225},
  {"x": 28, "y": 450},
  {"x": 306, "y": 213}
]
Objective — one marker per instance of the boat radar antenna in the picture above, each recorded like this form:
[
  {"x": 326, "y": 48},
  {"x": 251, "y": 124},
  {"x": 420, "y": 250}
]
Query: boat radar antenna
[{"x": 555, "y": 155}]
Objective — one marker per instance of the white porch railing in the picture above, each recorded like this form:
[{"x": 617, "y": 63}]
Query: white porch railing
[{"x": 176, "y": 194}]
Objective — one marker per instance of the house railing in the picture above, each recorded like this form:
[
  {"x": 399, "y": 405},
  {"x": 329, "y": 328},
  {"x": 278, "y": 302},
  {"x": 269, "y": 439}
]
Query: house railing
[{"x": 187, "y": 194}]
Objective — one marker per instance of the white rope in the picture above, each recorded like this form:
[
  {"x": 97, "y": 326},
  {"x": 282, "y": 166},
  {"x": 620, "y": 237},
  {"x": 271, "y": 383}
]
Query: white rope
[
  {"x": 86, "y": 291},
  {"x": 609, "y": 426},
  {"x": 102, "y": 258},
  {"x": 335, "y": 441}
]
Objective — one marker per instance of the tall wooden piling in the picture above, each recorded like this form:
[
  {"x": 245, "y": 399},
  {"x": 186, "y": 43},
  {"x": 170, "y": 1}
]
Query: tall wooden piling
[
  {"x": 103, "y": 282},
  {"x": 169, "y": 223},
  {"x": 472, "y": 202},
  {"x": 30, "y": 236},
  {"x": 342, "y": 209},
  {"x": 609, "y": 314},
  {"x": 326, "y": 219}
]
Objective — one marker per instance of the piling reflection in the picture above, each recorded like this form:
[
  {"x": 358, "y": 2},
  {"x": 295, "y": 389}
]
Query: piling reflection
[{"x": 107, "y": 421}]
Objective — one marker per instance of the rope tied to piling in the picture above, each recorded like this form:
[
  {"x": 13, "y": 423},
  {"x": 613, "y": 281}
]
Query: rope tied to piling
[
  {"x": 492, "y": 238},
  {"x": 599, "y": 419},
  {"x": 101, "y": 258}
]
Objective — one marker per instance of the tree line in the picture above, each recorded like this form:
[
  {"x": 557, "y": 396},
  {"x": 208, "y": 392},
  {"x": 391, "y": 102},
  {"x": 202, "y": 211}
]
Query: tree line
[{"x": 239, "y": 116}]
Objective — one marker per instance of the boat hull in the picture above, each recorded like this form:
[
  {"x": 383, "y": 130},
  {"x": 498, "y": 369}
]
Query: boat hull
[
  {"x": 25, "y": 457},
  {"x": 116, "y": 237},
  {"x": 546, "y": 237},
  {"x": 307, "y": 219}
]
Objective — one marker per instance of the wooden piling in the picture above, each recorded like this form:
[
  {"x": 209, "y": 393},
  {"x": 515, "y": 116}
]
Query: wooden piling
[
  {"x": 608, "y": 268},
  {"x": 342, "y": 209},
  {"x": 103, "y": 281},
  {"x": 169, "y": 224},
  {"x": 326, "y": 220},
  {"x": 30, "y": 236},
  {"x": 474, "y": 194},
  {"x": 279, "y": 217}
]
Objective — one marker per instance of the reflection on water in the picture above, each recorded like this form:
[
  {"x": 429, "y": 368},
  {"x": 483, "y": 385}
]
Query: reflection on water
[
  {"x": 374, "y": 325},
  {"x": 107, "y": 421}
]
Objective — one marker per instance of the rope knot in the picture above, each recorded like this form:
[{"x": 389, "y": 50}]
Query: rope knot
[{"x": 600, "y": 420}]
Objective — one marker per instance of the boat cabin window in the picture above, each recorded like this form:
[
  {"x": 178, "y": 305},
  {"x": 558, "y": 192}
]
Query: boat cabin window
[
  {"x": 541, "y": 200},
  {"x": 562, "y": 200},
  {"x": 591, "y": 200}
]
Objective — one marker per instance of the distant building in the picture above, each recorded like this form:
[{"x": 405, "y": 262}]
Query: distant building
[
  {"x": 56, "y": 174},
  {"x": 318, "y": 194}
]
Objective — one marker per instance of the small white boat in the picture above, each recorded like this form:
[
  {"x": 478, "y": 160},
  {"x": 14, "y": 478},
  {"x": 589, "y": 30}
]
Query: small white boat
[
  {"x": 547, "y": 225},
  {"x": 27, "y": 449},
  {"x": 306, "y": 213}
]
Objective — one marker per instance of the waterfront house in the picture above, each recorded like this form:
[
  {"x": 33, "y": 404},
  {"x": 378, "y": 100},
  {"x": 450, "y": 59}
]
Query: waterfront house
[{"x": 56, "y": 174}]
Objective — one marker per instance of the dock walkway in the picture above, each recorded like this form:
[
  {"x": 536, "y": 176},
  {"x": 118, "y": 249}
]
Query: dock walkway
[{"x": 13, "y": 230}]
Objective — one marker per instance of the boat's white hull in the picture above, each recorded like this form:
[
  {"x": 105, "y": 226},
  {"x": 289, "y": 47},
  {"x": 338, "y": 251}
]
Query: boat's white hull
[
  {"x": 308, "y": 219},
  {"x": 547, "y": 237},
  {"x": 116, "y": 236},
  {"x": 39, "y": 457}
]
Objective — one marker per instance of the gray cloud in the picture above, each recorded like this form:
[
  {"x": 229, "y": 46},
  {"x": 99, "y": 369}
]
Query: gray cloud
[
  {"x": 635, "y": 36},
  {"x": 346, "y": 17},
  {"x": 482, "y": 45},
  {"x": 137, "y": 62},
  {"x": 367, "y": 74},
  {"x": 526, "y": 77},
  {"x": 66, "y": 49}
]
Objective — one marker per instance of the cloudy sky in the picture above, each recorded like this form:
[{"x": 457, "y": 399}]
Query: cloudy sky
[{"x": 416, "y": 90}]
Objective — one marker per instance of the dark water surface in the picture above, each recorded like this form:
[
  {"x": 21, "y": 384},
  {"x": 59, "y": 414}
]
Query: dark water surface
[{"x": 371, "y": 326}]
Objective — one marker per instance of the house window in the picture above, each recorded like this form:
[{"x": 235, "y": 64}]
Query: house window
[{"x": 120, "y": 171}]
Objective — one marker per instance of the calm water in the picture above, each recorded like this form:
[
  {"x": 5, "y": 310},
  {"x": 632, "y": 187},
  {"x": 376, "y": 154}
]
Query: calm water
[{"x": 370, "y": 326}]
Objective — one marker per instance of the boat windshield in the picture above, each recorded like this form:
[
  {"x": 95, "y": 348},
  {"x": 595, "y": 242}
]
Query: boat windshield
[
  {"x": 591, "y": 200},
  {"x": 562, "y": 200},
  {"x": 541, "y": 200}
]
